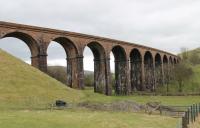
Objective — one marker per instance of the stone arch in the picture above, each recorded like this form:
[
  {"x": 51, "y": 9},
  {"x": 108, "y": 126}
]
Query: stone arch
[
  {"x": 136, "y": 70},
  {"x": 68, "y": 45},
  {"x": 158, "y": 70},
  {"x": 149, "y": 72},
  {"x": 71, "y": 57},
  {"x": 97, "y": 49},
  {"x": 29, "y": 41},
  {"x": 165, "y": 69},
  {"x": 99, "y": 66},
  {"x": 120, "y": 70},
  {"x": 174, "y": 61},
  {"x": 171, "y": 66},
  {"x": 165, "y": 59},
  {"x": 119, "y": 53},
  {"x": 170, "y": 60}
]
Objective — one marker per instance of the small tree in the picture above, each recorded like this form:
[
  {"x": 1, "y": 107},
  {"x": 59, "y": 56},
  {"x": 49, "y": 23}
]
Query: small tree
[{"x": 182, "y": 73}]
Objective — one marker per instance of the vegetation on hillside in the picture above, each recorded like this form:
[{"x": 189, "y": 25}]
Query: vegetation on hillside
[
  {"x": 58, "y": 72},
  {"x": 187, "y": 72},
  {"x": 182, "y": 73}
]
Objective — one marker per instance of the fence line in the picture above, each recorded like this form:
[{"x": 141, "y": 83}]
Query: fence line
[{"x": 190, "y": 115}]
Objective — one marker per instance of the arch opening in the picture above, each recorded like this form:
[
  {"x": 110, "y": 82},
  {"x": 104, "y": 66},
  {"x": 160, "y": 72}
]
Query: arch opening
[
  {"x": 136, "y": 70},
  {"x": 170, "y": 60},
  {"x": 98, "y": 54},
  {"x": 120, "y": 70},
  {"x": 149, "y": 72},
  {"x": 165, "y": 70},
  {"x": 62, "y": 60},
  {"x": 158, "y": 71},
  {"x": 175, "y": 62},
  {"x": 171, "y": 66},
  {"x": 16, "y": 48},
  {"x": 28, "y": 40},
  {"x": 88, "y": 63}
]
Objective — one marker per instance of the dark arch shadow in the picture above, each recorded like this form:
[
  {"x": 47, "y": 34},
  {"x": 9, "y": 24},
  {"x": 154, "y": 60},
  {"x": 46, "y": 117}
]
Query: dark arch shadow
[
  {"x": 170, "y": 60},
  {"x": 99, "y": 66},
  {"x": 136, "y": 70},
  {"x": 71, "y": 54},
  {"x": 158, "y": 71},
  {"x": 175, "y": 61},
  {"x": 120, "y": 70},
  {"x": 149, "y": 72},
  {"x": 69, "y": 47},
  {"x": 165, "y": 59},
  {"x": 29, "y": 41},
  {"x": 165, "y": 70},
  {"x": 170, "y": 66}
]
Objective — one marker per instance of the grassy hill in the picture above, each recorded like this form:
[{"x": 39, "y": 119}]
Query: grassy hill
[
  {"x": 24, "y": 86},
  {"x": 24, "y": 89}
]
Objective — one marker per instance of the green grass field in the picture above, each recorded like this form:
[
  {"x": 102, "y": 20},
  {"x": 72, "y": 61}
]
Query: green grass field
[
  {"x": 82, "y": 119},
  {"x": 165, "y": 100},
  {"x": 24, "y": 89}
]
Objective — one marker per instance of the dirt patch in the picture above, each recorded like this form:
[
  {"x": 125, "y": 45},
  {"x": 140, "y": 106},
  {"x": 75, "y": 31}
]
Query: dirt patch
[
  {"x": 128, "y": 106},
  {"x": 131, "y": 106}
]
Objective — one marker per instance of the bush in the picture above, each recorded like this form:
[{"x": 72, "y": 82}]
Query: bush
[
  {"x": 89, "y": 80},
  {"x": 58, "y": 72}
]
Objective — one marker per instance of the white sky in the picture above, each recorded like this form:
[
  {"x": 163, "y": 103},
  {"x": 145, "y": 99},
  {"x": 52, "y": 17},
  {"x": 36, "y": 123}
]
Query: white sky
[{"x": 167, "y": 25}]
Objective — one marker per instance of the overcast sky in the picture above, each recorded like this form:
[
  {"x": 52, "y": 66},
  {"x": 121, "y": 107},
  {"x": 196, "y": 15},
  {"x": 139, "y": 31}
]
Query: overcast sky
[{"x": 163, "y": 24}]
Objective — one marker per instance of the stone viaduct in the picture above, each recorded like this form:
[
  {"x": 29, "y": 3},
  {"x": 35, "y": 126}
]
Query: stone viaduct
[{"x": 137, "y": 67}]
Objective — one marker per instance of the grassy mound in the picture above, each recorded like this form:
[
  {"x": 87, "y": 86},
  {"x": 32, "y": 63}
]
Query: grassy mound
[{"x": 23, "y": 86}]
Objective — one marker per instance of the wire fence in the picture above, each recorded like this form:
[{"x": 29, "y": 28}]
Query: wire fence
[{"x": 186, "y": 114}]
